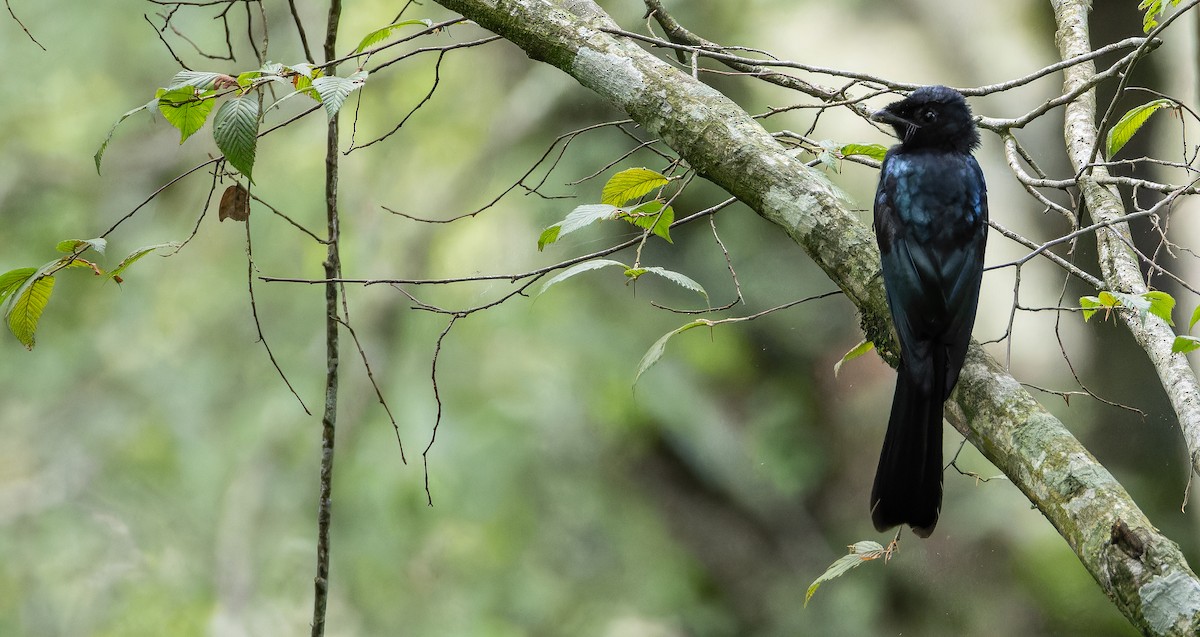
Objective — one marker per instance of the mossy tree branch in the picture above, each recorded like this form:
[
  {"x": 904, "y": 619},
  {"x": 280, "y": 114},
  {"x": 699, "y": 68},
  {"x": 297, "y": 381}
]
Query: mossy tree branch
[
  {"x": 1139, "y": 568},
  {"x": 1118, "y": 263}
]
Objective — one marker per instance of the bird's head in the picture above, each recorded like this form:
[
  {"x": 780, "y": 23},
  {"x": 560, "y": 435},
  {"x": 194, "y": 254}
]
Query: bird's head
[{"x": 932, "y": 117}]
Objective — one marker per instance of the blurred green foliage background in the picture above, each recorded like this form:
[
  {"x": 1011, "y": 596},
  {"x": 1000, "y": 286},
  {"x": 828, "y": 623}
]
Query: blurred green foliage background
[{"x": 157, "y": 477}]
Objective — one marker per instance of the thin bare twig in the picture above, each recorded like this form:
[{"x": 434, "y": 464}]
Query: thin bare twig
[
  {"x": 437, "y": 397},
  {"x": 22, "y": 25},
  {"x": 262, "y": 338},
  {"x": 437, "y": 78},
  {"x": 362, "y": 354},
  {"x": 300, "y": 30}
]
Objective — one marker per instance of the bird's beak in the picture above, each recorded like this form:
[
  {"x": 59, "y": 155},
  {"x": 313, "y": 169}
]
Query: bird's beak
[{"x": 886, "y": 116}]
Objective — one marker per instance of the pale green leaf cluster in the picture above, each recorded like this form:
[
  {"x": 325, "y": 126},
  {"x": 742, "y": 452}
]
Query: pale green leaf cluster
[
  {"x": 1153, "y": 11},
  {"x": 188, "y": 100},
  {"x": 1155, "y": 302},
  {"x": 619, "y": 200},
  {"x": 25, "y": 292}
]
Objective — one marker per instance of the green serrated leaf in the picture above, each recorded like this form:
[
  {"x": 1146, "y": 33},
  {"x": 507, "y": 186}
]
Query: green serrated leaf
[
  {"x": 656, "y": 350},
  {"x": 1195, "y": 318},
  {"x": 829, "y": 159},
  {"x": 72, "y": 245},
  {"x": 186, "y": 108},
  {"x": 334, "y": 90},
  {"x": 1185, "y": 344},
  {"x": 874, "y": 151},
  {"x": 580, "y": 217},
  {"x": 303, "y": 68},
  {"x": 303, "y": 81},
  {"x": 860, "y": 553},
  {"x": 235, "y": 129},
  {"x": 1131, "y": 121},
  {"x": 1161, "y": 305},
  {"x": 379, "y": 35},
  {"x": 103, "y": 145},
  {"x": 27, "y": 307},
  {"x": 856, "y": 351},
  {"x": 678, "y": 279},
  {"x": 247, "y": 78},
  {"x": 652, "y": 216},
  {"x": 1090, "y": 305},
  {"x": 194, "y": 79},
  {"x": 1152, "y": 10},
  {"x": 135, "y": 256},
  {"x": 12, "y": 281},
  {"x": 631, "y": 184},
  {"x": 548, "y": 236},
  {"x": 578, "y": 268},
  {"x": 304, "y": 85},
  {"x": 1135, "y": 302}
]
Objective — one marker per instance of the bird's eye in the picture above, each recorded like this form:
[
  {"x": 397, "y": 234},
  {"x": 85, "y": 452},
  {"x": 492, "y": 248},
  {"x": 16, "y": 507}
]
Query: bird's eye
[{"x": 928, "y": 116}]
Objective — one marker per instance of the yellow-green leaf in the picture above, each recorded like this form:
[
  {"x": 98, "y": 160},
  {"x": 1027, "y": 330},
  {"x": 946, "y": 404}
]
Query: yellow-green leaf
[
  {"x": 379, "y": 35},
  {"x": 1185, "y": 344},
  {"x": 12, "y": 281},
  {"x": 874, "y": 151},
  {"x": 1161, "y": 305},
  {"x": 27, "y": 309},
  {"x": 186, "y": 108},
  {"x": 630, "y": 184},
  {"x": 652, "y": 216},
  {"x": 1133, "y": 120},
  {"x": 1090, "y": 305},
  {"x": 856, "y": 351}
]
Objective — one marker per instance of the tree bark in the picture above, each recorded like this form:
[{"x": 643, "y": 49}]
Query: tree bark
[
  {"x": 1118, "y": 262},
  {"x": 1140, "y": 569}
]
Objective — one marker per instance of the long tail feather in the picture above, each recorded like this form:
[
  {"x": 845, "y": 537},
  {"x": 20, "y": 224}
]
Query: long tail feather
[{"x": 908, "y": 482}]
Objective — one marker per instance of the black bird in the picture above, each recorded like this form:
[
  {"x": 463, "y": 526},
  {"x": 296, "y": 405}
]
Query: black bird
[{"x": 931, "y": 224}]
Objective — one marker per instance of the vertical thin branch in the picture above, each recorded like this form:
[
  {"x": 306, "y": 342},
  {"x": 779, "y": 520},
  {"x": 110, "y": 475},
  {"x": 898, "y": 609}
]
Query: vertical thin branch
[
  {"x": 300, "y": 29},
  {"x": 33, "y": 39},
  {"x": 333, "y": 269}
]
